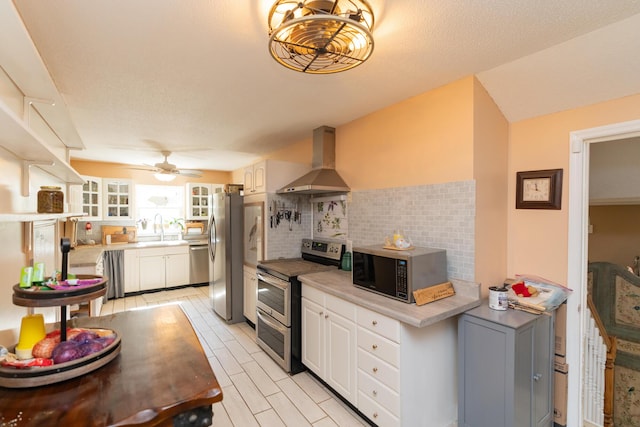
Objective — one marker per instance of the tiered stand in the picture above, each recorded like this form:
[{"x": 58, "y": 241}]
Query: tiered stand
[{"x": 37, "y": 296}]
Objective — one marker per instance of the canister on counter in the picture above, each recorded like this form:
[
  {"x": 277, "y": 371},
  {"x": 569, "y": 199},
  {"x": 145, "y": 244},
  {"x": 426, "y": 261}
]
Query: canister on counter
[
  {"x": 50, "y": 199},
  {"x": 498, "y": 298},
  {"x": 26, "y": 277}
]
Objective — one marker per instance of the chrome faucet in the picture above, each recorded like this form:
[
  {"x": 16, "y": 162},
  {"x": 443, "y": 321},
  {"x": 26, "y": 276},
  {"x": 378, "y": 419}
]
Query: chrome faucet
[{"x": 161, "y": 226}]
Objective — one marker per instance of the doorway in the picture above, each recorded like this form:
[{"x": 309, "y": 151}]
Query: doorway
[{"x": 580, "y": 142}]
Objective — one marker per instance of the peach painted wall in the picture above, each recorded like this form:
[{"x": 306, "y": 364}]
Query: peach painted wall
[
  {"x": 426, "y": 139},
  {"x": 117, "y": 170},
  {"x": 490, "y": 159},
  {"x": 616, "y": 233},
  {"x": 537, "y": 239}
]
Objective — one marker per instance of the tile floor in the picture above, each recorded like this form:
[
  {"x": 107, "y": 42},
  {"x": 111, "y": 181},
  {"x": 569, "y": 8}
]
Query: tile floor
[{"x": 257, "y": 392}]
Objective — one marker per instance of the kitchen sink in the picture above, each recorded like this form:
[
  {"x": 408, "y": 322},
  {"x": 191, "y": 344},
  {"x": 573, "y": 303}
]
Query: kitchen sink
[{"x": 157, "y": 243}]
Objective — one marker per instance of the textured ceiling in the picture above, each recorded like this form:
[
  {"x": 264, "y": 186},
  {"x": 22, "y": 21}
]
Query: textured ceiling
[{"x": 195, "y": 77}]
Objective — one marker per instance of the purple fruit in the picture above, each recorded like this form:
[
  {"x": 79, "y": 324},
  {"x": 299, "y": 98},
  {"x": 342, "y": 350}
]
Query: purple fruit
[
  {"x": 66, "y": 351},
  {"x": 85, "y": 336},
  {"x": 90, "y": 347}
]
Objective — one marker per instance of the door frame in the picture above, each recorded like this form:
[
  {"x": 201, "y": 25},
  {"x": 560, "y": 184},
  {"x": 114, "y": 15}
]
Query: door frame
[{"x": 578, "y": 219}]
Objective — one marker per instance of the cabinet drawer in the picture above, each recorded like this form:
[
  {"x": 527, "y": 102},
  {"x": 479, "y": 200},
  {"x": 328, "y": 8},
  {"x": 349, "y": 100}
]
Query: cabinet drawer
[
  {"x": 340, "y": 306},
  {"x": 375, "y": 412},
  {"x": 151, "y": 252},
  {"x": 176, "y": 250},
  {"x": 379, "y": 393},
  {"x": 313, "y": 294},
  {"x": 381, "y": 371},
  {"x": 379, "y": 346},
  {"x": 380, "y": 324}
]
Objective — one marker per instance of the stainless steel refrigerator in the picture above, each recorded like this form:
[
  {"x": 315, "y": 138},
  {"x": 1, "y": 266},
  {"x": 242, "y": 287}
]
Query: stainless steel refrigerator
[{"x": 226, "y": 252}]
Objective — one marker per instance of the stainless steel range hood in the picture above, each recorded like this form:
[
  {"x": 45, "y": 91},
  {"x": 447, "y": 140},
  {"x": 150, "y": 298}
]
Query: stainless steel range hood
[{"x": 323, "y": 178}]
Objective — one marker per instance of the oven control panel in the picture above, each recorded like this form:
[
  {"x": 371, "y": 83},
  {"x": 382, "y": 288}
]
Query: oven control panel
[{"x": 323, "y": 248}]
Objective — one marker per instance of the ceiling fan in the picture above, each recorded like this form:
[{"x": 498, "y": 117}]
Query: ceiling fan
[{"x": 166, "y": 171}]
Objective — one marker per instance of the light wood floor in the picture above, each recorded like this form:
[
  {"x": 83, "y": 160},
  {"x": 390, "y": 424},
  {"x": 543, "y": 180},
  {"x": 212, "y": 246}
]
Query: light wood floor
[{"x": 257, "y": 392}]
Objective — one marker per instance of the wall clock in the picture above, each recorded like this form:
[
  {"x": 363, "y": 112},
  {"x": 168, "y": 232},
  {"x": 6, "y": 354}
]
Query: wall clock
[{"x": 540, "y": 189}]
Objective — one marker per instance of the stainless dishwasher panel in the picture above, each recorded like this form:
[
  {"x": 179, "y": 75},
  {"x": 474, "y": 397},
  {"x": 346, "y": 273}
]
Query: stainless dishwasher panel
[{"x": 198, "y": 264}]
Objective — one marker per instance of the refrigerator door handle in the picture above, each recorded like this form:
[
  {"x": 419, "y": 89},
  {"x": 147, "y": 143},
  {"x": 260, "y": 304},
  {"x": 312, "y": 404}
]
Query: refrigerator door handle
[{"x": 212, "y": 237}]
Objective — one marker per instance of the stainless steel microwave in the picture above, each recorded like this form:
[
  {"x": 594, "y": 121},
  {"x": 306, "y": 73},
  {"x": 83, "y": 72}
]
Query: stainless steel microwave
[{"x": 397, "y": 274}]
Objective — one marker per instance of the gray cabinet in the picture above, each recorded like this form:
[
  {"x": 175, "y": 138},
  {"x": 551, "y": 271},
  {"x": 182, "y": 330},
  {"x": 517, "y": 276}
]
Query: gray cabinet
[{"x": 505, "y": 362}]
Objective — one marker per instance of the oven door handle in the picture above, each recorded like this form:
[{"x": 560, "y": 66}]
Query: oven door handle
[
  {"x": 281, "y": 284},
  {"x": 271, "y": 322}
]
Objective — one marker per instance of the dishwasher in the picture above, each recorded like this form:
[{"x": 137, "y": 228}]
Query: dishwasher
[{"x": 198, "y": 262}]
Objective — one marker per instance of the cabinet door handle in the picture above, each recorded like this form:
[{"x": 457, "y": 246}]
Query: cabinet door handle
[
  {"x": 375, "y": 415},
  {"x": 326, "y": 316},
  {"x": 374, "y": 323},
  {"x": 321, "y": 313},
  {"x": 375, "y": 393},
  {"x": 375, "y": 346},
  {"x": 537, "y": 377},
  {"x": 375, "y": 370}
]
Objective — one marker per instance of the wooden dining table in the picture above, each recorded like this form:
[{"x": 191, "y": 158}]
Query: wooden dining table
[{"x": 160, "y": 378}]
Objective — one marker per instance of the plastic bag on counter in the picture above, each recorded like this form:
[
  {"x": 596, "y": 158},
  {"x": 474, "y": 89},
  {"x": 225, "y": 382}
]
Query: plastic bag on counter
[{"x": 549, "y": 296}]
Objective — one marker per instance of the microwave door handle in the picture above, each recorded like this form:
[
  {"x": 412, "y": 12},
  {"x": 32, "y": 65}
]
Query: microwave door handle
[{"x": 281, "y": 284}]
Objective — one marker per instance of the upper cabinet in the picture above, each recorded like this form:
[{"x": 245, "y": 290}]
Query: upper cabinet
[
  {"x": 199, "y": 200},
  {"x": 117, "y": 199},
  {"x": 254, "y": 178},
  {"x": 267, "y": 176},
  {"x": 92, "y": 198}
]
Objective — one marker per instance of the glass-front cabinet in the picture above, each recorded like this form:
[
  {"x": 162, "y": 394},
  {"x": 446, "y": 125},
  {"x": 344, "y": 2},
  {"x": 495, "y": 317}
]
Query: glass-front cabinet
[
  {"x": 199, "y": 200},
  {"x": 117, "y": 197},
  {"x": 92, "y": 198}
]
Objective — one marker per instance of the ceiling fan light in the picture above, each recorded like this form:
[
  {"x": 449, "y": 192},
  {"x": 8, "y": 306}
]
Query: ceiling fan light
[
  {"x": 320, "y": 36},
  {"x": 164, "y": 177}
]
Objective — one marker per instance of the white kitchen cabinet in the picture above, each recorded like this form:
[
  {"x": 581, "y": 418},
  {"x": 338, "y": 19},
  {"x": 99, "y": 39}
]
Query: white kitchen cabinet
[
  {"x": 388, "y": 358},
  {"x": 250, "y": 283},
  {"x": 379, "y": 367},
  {"x": 91, "y": 198},
  {"x": 131, "y": 270},
  {"x": 199, "y": 200},
  {"x": 177, "y": 266},
  {"x": 329, "y": 340},
  {"x": 93, "y": 307},
  {"x": 117, "y": 199},
  {"x": 163, "y": 267},
  {"x": 271, "y": 175}
]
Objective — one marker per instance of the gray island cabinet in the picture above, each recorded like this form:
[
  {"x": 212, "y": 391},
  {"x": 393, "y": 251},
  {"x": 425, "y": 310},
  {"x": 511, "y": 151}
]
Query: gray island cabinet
[
  {"x": 505, "y": 368},
  {"x": 394, "y": 362}
]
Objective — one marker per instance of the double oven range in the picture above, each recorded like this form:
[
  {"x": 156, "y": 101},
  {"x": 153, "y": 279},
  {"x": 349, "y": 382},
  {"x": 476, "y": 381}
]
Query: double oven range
[{"x": 279, "y": 327}]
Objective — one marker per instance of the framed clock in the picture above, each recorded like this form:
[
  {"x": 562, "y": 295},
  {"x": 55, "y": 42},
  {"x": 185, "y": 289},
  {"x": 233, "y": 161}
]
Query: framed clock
[{"x": 539, "y": 189}]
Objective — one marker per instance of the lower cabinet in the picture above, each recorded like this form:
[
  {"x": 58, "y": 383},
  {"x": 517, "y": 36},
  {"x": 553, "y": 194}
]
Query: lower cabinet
[
  {"x": 156, "y": 268},
  {"x": 250, "y": 284},
  {"x": 372, "y": 360},
  {"x": 131, "y": 270},
  {"x": 329, "y": 340},
  {"x": 93, "y": 307},
  {"x": 505, "y": 368}
]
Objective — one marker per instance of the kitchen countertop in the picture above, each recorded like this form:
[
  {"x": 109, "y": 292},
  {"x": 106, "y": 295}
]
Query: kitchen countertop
[
  {"x": 339, "y": 284},
  {"x": 87, "y": 255}
]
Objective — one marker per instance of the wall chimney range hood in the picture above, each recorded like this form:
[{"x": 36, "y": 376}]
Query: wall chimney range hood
[{"x": 323, "y": 178}]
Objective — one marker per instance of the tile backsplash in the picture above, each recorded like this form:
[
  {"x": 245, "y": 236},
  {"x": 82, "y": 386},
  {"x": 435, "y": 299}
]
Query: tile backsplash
[{"x": 436, "y": 216}]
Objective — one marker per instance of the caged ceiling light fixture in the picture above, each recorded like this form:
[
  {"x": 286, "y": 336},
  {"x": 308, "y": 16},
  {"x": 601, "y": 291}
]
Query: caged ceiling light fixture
[{"x": 321, "y": 36}]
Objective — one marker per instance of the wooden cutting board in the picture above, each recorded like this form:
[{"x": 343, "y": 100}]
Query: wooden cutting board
[{"x": 119, "y": 234}]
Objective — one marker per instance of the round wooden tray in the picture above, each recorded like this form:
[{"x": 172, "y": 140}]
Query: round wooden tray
[
  {"x": 34, "y": 376},
  {"x": 41, "y": 296}
]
